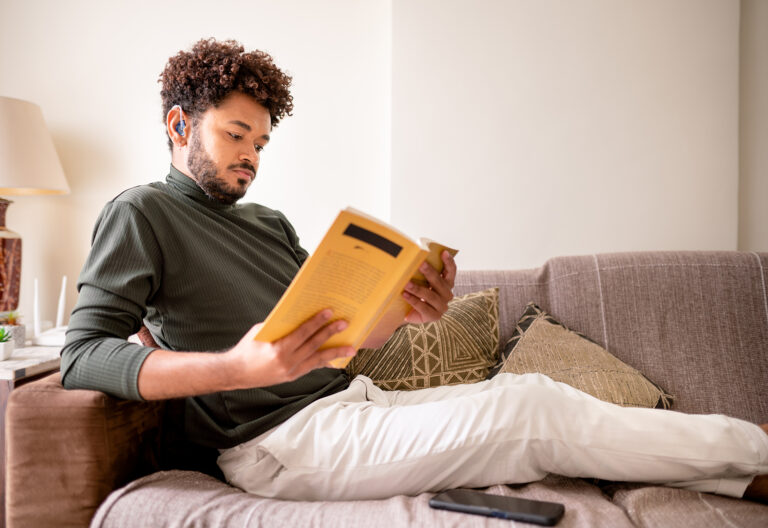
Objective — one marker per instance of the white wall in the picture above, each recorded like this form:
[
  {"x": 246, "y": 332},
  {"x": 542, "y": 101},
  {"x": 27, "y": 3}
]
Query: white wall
[
  {"x": 753, "y": 127},
  {"x": 93, "y": 66},
  {"x": 533, "y": 128},
  {"x": 515, "y": 129}
]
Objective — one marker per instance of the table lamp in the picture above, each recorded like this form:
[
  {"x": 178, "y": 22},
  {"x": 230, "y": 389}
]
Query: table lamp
[{"x": 28, "y": 165}]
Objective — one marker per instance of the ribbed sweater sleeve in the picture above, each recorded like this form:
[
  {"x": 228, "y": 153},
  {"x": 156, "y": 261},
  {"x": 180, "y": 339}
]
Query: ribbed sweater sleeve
[{"x": 121, "y": 273}]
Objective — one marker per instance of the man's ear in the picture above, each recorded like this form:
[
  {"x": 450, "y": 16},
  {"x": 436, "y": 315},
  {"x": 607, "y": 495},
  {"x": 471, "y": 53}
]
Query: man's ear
[{"x": 176, "y": 126}]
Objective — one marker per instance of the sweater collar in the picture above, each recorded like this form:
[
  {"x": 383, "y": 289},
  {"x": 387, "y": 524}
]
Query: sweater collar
[{"x": 189, "y": 187}]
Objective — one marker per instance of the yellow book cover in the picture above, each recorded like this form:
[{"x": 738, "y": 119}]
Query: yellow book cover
[{"x": 359, "y": 270}]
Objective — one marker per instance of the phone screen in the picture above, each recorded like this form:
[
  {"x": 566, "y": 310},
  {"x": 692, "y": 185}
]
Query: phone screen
[{"x": 526, "y": 510}]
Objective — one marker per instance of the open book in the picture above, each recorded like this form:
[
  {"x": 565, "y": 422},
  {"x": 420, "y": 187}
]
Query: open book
[{"x": 359, "y": 270}]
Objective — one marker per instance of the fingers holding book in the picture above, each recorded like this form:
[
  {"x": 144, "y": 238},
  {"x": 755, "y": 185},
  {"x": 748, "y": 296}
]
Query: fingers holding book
[
  {"x": 290, "y": 357},
  {"x": 430, "y": 302},
  {"x": 303, "y": 345}
]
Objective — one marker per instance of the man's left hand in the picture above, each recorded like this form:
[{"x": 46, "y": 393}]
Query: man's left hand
[{"x": 431, "y": 302}]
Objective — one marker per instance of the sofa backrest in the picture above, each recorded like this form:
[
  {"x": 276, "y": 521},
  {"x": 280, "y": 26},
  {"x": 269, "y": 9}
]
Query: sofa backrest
[{"x": 696, "y": 323}]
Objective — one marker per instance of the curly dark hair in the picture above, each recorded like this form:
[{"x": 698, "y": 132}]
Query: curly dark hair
[{"x": 211, "y": 70}]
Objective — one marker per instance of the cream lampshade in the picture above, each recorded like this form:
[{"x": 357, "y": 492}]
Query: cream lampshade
[{"x": 28, "y": 165}]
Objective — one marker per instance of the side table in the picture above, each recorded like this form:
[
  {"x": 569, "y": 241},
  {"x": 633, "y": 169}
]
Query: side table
[{"x": 25, "y": 365}]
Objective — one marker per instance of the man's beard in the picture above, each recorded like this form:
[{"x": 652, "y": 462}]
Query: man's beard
[{"x": 206, "y": 175}]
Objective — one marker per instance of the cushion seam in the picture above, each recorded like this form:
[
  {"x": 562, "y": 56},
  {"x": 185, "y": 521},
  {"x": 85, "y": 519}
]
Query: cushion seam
[{"x": 602, "y": 305}]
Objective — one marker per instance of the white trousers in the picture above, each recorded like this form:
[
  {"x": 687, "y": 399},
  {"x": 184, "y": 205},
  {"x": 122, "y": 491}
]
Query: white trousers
[{"x": 365, "y": 443}]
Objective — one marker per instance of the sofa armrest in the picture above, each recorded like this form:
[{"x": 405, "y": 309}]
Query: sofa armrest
[{"x": 66, "y": 450}]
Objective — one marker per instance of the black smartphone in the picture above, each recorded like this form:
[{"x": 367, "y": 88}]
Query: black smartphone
[{"x": 513, "y": 508}]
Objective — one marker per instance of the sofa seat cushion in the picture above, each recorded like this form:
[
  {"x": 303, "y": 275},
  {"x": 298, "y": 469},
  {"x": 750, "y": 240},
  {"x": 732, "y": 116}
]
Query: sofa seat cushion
[
  {"x": 191, "y": 499},
  {"x": 651, "y": 506}
]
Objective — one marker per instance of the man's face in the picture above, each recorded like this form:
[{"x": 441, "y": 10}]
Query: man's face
[{"x": 225, "y": 145}]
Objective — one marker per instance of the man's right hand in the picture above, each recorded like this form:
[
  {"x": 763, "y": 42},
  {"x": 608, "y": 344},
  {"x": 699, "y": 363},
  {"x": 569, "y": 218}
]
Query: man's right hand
[
  {"x": 249, "y": 364},
  {"x": 260, "y": 364}
]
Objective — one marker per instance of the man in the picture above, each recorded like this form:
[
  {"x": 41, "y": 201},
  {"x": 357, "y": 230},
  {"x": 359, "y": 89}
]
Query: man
[{"x": 198, "y": 269}]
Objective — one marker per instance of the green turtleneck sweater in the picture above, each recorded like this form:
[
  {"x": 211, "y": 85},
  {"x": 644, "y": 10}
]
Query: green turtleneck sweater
[{"x": 198, "y": 274}]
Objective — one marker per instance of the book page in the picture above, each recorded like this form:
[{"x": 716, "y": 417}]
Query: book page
[{"x": 340, "y": 280}]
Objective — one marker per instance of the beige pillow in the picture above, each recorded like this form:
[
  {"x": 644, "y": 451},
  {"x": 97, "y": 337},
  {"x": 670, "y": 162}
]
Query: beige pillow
[
  {"x": 542, "y": 344},
  {"x": 459, "y": 348}
]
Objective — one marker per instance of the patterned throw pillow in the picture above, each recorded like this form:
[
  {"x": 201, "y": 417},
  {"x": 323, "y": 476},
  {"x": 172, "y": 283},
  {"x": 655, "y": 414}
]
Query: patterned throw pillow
[
  {"x": 459, "y": 348},
  {"x": 542, "y": 344}
]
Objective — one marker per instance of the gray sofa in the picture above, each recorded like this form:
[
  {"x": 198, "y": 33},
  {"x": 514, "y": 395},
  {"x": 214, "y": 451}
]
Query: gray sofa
[{"x": 696, "y": 323}]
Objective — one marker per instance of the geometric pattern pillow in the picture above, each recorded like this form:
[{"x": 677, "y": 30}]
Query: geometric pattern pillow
[
  {"x": 460, "y": 347},
  {"x": 542, "y": 344}
]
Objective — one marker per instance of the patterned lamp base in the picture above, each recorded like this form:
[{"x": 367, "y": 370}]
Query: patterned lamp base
[{"x": 10, "y": 263}]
